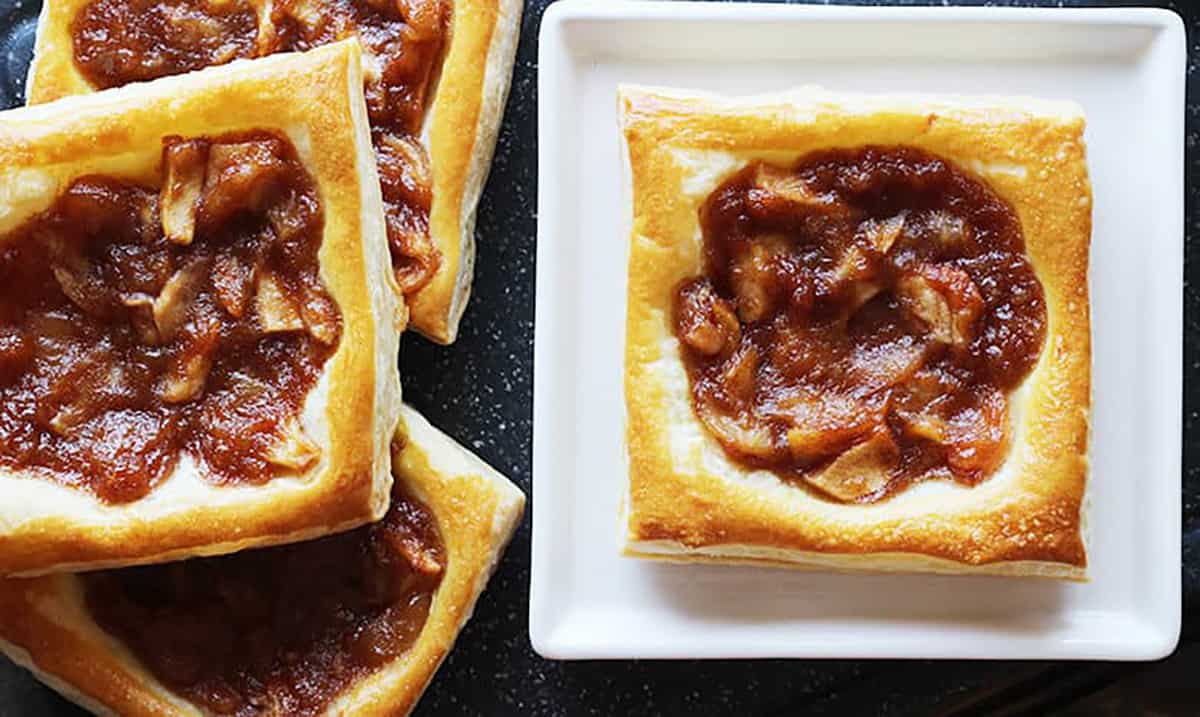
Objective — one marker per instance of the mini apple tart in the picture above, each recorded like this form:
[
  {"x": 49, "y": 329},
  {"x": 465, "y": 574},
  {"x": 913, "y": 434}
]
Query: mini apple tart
[
  {"x": 349, "y": 624},
  {"x": 436, "y": 76},
  {"x": 193, "y": 358},
  {"x": 858, "y": 331}
]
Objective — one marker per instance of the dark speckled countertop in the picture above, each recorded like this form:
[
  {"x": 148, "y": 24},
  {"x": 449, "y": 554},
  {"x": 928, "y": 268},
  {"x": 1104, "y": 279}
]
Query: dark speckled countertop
[{"x": 480, "y": 391}]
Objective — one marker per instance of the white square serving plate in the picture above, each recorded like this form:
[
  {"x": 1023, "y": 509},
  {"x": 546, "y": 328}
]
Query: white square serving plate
[{"x": 1126, "y": 67}]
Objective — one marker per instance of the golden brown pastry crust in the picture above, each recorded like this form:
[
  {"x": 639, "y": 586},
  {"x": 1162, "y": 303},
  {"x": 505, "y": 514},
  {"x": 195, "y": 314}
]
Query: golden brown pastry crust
[
  {"x": 45, "y": 627},
  {"x": 460, "y": 132},
  {"x": 470, "y": 93},
  {"x": 316, "y": 100},
  {"x": 688, "y": 501}
]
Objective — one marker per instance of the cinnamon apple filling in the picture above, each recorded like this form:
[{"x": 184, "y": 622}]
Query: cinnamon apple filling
[
  {"x": 278, "y": 631},
  {"x": 139, "y": 323},
  {"x": 862, "y": 319},
  {"x": 122, "y": 41}
]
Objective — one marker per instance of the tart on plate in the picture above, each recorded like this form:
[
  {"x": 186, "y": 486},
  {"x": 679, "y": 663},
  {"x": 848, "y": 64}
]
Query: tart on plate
[{"x": 857, "y": 331}]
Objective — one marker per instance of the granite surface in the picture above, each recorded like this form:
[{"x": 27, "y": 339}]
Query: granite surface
[{"x": 480, "y": 391}]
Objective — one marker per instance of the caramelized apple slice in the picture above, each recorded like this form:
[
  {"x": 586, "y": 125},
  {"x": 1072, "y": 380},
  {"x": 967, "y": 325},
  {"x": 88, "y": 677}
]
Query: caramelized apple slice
[
  {"x": 883, "y": 233},
  {"x": 141, "y": 315},
  {"x": 861, "y": 471},
  {"x": 171, "y": 306},
  {"x": 239, "y": 176},
  {"x": 77, "y": 277},
  {"x": 705, "y": 321},
  {"x": 741, "y": 371},
  {"x": 785, "y": 184},
  {"x": 294, "y": 451},
  {"x": 740, "y": 434},
  {"x": 856, "y": 278},
  {"x": 977, "y": 436},
  {"x": 232, "y": 279},
  {"x": 320, "y": 315},
  {"x": 918, "y": 405},
  {"x": 826, "y": 423},
  {"x": 756, "y": 286},
  {"x": 179, "y": 197},
  {"x": 945, "y": 299},
  {"x": 276, "y": 311},
  {"x": 187, "y": 371},
  {"x": 406, "y": 174},
  {"x": 886, "y": 364}
]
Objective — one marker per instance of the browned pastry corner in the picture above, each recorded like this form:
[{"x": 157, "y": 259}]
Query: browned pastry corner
[
  {"x": 858, "y": 331},
  {"x": 355, "y": 623},
  {"x": 194, "y": 360},
  {"x": 437, "y": 76}
]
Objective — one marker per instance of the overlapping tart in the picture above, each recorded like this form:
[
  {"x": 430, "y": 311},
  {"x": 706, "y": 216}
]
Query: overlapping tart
[
  {"x": 350, "y": 624},
  {"x": 197, "y": 344},
  {"x": 858, "y": 331},
  {"x": 437, "y": 74}
]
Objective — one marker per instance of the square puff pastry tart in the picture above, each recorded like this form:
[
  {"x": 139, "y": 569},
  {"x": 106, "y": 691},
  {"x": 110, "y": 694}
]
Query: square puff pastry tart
[
  {"x": 688, "y": 500},
  {"x": 333, "y": 470},
  {"x": 45, "y": 624},
  {"x": 464, "y": 105}
]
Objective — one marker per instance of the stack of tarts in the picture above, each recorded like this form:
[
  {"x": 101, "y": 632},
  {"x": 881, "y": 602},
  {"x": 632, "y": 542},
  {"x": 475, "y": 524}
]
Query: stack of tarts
[{"x": 214, "y": 500}]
